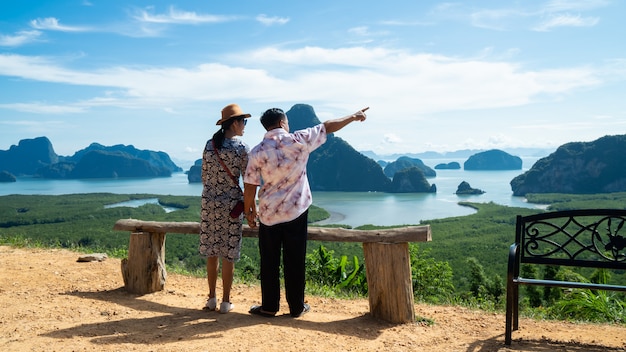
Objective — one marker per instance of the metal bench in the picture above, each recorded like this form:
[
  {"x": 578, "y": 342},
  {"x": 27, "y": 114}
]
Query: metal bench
[{"x": 592, "y": 238}]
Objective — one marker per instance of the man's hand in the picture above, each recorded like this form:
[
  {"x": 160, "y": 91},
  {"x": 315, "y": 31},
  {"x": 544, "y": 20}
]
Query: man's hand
[
  {"x": 249, "y": 203},
  {"x": 251, "y": 218},
  {"x": 360, "y": 115},
  {"x": 337, "y": 124}
]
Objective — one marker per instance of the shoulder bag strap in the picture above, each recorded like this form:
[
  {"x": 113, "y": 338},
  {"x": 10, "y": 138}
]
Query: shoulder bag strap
[{"x": 217, "y": 154}]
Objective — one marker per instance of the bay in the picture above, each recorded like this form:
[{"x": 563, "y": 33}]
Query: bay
[
  {"x": 387, "y": 209},
  {"x": 350, "y": 208},
  {"x": 175, "y": 185}
]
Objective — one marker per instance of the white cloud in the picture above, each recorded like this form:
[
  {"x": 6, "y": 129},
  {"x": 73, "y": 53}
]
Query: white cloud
[
  {"x": 318, "y": 56},
  {"x": 19, "y": 38},
  {"x": 401, "y": 83},
  {"x": 150, "y": 24},
  {"x": 391, "y": 138},
  {"x": 192, "y": 150},
  {"x": 550, "y": 15},
  {"x": 495, "y": 19},
  {"x": 566, "y": 20},
  {"x": 498, "y": 140},
  {"x": 400, "y": 23},
  {"x": 270, "y": 21},
  {"x": 52, "y": 24},
  {"x": 20, "y": 123},
  {"x": 33, "y": 126},
  {"x": 364, "y": 31},
  {"x": 40, "y": 108},
  {"x": 574, "y": 5},
  {"x": 174, "y": 16},
  {"x": 428, "y": 82}
]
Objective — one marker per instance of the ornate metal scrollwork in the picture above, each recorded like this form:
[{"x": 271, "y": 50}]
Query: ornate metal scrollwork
[{"x": 584, "y": 238}]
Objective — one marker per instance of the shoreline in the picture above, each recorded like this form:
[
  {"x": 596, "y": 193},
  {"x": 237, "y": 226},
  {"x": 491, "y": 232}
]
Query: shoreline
[{"x": 331, "y": 220}]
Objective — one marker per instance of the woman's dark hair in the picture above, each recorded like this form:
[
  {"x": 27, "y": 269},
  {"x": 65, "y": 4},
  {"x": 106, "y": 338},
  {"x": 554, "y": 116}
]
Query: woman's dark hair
[
  {"x": 219, "y": 136},
  {"x": 272, "y": 117}
]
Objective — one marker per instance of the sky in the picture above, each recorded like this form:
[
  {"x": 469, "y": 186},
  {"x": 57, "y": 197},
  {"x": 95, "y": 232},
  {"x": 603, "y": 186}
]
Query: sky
[{"x": 437, "y": 76}]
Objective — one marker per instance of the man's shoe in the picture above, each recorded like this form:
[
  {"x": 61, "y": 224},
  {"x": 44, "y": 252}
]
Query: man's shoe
[
  {"x": 305, "y": 310},
  {"x": 258, "y": 310}
]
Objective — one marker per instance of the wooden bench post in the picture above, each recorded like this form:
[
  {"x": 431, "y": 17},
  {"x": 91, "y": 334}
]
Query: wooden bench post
[
  {"x": 389, "y": 281},
  {"x": 144, "y": 270}
]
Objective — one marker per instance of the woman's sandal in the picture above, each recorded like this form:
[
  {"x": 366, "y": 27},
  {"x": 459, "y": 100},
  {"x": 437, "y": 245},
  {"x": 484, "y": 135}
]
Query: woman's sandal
[
  {"x": 258, "y": 310},
  {"x": 226, "y": 307},
  {"x": 211, "y": 304}
]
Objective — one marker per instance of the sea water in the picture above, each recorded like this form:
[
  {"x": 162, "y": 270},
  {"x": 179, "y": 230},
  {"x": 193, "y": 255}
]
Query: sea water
[{"x": 350, "y": 208}]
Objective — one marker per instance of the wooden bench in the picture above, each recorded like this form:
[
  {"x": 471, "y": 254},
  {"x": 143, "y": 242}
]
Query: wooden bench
[
  {"x": 386, "y": 253},
  {"x": 593, "y": 238}
]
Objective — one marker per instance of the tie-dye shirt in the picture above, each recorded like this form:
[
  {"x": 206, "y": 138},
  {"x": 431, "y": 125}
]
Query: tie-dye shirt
[{"x": 278, "y": 164}]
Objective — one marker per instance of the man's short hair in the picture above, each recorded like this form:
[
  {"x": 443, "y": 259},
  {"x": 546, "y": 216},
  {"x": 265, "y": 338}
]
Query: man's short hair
[{"x": 271, "y": 117}]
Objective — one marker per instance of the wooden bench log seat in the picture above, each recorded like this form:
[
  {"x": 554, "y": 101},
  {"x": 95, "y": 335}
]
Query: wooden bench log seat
[{"x": 386, "y": 253}]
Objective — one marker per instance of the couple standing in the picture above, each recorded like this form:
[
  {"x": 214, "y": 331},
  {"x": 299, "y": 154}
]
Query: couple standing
[{"x": 278, "y": 166}]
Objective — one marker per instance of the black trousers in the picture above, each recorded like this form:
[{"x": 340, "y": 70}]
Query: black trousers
[{"x": 291, "y": 237}]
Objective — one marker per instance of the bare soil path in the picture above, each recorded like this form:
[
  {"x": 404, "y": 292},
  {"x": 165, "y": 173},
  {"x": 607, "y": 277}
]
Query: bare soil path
[{"x": 51, "y": 302}]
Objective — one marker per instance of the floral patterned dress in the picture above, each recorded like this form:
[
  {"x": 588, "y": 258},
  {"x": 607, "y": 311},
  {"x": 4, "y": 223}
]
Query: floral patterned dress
[{"x": 220, "y": 234}]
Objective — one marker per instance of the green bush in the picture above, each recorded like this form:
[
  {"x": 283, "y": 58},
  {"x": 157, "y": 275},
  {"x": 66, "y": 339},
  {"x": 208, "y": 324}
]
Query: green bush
[
  {"x": 432, "y": 279},
  {"x": 335, "y": 274},
  {"x": 587, "y": 305}
]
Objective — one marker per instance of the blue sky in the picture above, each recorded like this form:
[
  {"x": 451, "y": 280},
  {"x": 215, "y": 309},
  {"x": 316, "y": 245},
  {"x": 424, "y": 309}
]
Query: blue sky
[{"x": 437, "y": 76}]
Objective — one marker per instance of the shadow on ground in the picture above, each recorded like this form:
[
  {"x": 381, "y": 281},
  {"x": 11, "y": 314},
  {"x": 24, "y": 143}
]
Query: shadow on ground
[
  {"x": 495, "y": 343},
  {"x": 178, "y": 323}
]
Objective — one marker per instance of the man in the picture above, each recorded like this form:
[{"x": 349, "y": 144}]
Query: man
[{"x": 278, "y": 165}]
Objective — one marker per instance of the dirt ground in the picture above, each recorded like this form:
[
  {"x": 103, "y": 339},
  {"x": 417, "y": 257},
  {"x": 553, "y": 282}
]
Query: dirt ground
[{"x": 51, "y": 302}]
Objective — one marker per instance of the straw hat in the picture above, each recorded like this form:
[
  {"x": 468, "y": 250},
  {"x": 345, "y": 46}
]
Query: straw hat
[{"x": 230, "y": 111}]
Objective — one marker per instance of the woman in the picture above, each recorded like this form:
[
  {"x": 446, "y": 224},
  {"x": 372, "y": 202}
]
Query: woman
[{"x": 223, "y": 162}]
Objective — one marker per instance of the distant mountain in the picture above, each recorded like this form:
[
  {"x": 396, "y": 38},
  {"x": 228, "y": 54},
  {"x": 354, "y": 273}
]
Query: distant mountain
[
  {"x": 464, "y": 188},
  {"x": 423, "y": 155},
  {"x": 404, "y": 162},
  {"x": 493, "y": 160},
  {"x": 158, "y": 160},
  {"x": 115, "y": 164},
  {"x": 28, "y": 156},
  {"x": 411, "y": 180},
  {"x": 458, "y": 154},
  {"x": 453, "y": 165},
  {"x": 194, "y": 174},
  {"x": 579, "y": 168},
  {"x": 36, "y": 157}
]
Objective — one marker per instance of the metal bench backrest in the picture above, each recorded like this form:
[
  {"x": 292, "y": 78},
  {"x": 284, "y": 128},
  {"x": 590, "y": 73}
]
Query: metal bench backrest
[{"x": 586, "y": 238}]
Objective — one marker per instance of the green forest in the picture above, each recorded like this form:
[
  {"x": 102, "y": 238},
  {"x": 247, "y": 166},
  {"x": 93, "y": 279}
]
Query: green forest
[{"x": 464, "y": 264}]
